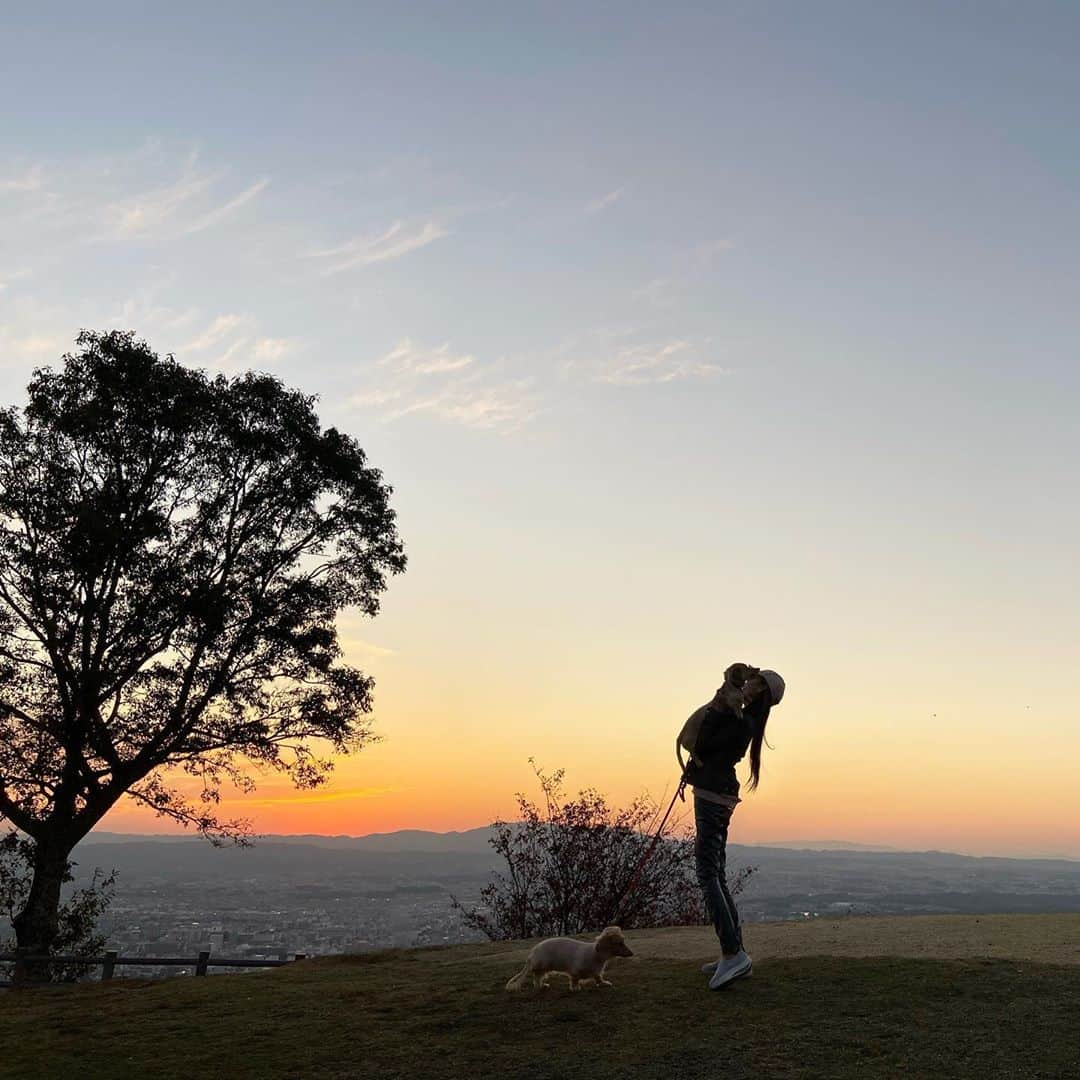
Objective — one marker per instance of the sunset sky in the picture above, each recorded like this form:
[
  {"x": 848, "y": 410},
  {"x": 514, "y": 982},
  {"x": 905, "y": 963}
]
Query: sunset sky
[{"x": 684, "y": 334}]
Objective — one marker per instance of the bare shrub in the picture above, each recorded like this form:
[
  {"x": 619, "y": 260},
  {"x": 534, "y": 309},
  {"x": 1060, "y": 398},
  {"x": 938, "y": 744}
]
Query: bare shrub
[{"x": 573, "y": 865}]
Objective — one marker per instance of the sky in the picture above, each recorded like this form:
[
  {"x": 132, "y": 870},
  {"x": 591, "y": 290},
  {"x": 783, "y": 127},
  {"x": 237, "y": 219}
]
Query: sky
[{"x": 684, "y": 334}]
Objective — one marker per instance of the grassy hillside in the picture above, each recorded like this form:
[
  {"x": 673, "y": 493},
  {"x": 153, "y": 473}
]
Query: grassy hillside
[{"x": 444, "y": 1013}]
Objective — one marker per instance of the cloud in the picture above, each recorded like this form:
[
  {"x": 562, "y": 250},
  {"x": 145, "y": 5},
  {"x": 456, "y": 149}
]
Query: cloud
[
  {"x": 359, "y": 646},
  {"x": 640, "y": 365},
  {"x": 406, "y": 357},
  {"x": 605, "y": 201},
  {"x": 31, "y": 180},
  {"x": 216, "y": 332},
  {"x": 146, "y": 192},
  {"x": 222, "y": 212},
  {"x": 150, "y": 210},
  {"x": 704, "y": 254},
  {"x": 30, "y": 348},
  {"x": 503, "y": 408},
  {"x": 232, "y": 336},
  {"x": 152, "y": 320},
  {"x": 412, "y": 379},
  {"x": 306, "y": 798},
  {"x": 230, "y": 358},
  {"x": 270, "y": 350},
  {"x": 659, "y": 292},
  {"x": 13, "y": 275},
  {"x": 396, "y": 241}
]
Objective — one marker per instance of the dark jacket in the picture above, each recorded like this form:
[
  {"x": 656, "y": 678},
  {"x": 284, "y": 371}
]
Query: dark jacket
[{"x": 722, "y": 742}]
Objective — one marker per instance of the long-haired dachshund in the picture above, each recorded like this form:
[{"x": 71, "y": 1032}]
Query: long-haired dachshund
[{"x": 579, "y": 961}]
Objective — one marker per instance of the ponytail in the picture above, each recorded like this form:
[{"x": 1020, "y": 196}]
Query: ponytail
[{"x": 758, "y": 713}]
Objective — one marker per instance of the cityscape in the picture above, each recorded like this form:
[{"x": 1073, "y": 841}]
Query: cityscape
[{"x": 320, "y": 896}]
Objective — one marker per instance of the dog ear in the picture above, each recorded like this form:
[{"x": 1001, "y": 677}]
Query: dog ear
[
  {"x": 737, "y": 674},
  {"x": 610, "y": 938}
]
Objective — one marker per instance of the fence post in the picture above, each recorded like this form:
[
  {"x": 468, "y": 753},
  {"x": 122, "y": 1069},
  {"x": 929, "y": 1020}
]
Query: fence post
[
  {"x": 201, "y": 963},
  {"x": 109, "y": 966}
]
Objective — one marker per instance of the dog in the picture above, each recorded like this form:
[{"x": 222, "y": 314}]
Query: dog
[
  {"x": 579, "y": 961},
  {"x": 729, "y": 698}
]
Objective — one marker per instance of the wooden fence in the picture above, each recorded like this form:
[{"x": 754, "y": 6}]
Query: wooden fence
[{"x": 112, "y": 960}]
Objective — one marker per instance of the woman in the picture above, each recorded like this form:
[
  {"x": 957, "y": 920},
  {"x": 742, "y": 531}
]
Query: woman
[{"x": 725, "y": 729}]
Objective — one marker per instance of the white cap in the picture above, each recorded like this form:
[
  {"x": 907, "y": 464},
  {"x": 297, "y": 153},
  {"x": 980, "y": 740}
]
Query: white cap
[{"x": 775, "y": 685}]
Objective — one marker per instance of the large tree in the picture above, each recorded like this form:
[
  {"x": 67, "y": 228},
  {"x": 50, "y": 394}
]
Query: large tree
[{"x": 174, "y": 551}]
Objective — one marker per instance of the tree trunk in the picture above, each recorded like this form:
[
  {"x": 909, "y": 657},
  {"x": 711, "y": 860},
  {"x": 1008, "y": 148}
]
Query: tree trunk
[{"x": 37, "y": 924}]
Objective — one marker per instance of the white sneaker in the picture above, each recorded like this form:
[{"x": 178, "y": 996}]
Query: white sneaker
[
  {"x": 711, "y": 966},
  {"x": 730, "y": 968}
]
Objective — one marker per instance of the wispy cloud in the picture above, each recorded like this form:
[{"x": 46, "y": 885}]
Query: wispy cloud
[
  {"x": 145, "y": 313},
  {"x": 228, "y": 342},
  {"x": 149, "y": 210},
  {"x": 702, "y": 255},
  {"x": 214, "y": 217},
  {"x": 222, "y": 327},
  {"x": 358, "y": 646},
  {"x": 32, "y": 348},
  {"x": 13, "y": 275},
  {"x": 234, "y": 356},
  {"x": 31, "y": 180},
  {"x": 396, "y": 241},
  {"x": 499, "y": 408},
  {"x": 640, "y": 365},
  {"x": 148, "y": 192},
  {"x": 270, "y": 350},
  {"x": 32, "y": 332},
  {"x": 310, "y": 797},
  {"x": 412, "y": 379},
  {"x": 659, "y": 292},
  {"x": 407, "y": 357},
  {"x": 605, "y": 201}
]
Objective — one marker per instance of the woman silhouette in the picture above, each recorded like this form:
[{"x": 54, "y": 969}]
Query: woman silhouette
[{"x": 723, "y": 730}]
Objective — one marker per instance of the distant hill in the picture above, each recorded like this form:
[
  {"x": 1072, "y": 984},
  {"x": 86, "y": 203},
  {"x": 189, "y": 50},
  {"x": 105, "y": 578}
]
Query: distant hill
[
  {"x": 280, "y": 860},
  {"x": 824, "y": 845},
  {"x": 475, "y": 841},
  {"x": 404, "y": 840}
]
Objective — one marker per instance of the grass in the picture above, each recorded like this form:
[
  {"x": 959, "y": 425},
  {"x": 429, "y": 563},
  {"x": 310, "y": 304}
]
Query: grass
[{"x": 440, "y": 1013}]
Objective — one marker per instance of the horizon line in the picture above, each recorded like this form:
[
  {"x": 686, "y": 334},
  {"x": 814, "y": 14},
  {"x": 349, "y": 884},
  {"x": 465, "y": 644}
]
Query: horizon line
[{"x": 790, "y": 845}]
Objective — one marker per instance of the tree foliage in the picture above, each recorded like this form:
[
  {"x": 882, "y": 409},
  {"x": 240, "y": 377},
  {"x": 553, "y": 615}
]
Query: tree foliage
[
  {"x": 571, "y": 863},
  {"x": 174, "y": 549}
]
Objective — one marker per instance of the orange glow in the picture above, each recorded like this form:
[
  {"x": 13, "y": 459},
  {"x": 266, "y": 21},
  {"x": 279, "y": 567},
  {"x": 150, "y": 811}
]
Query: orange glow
[{"x": 935, "y": 763}]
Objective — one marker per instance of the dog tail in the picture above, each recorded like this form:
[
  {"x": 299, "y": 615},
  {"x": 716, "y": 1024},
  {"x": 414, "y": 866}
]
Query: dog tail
[{"x": 516, "y": 981}]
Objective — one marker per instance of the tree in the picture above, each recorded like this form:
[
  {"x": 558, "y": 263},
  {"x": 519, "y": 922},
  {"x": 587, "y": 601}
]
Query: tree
[
  {"x": 574, "y": 865},
  {"x": 77, "y": 916},
  {"x": 174, "y": 551}
]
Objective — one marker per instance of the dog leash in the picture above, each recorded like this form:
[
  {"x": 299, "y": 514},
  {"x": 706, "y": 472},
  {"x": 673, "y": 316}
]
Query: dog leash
[{"x": 643, "y": 861}]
